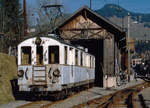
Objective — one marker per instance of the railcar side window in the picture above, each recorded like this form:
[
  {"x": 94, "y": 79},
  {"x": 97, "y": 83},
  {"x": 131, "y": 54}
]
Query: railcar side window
[
  {"x": 53, "y": 54},
  {"x": 76, "y": 57},
  {"x": 87, "y": 60},
  {"x": 90, "y": 62},
  {"x": 81, "y": 59},
  {"x": 25, "y": 55},
  {"x": 65, "y": 54},
  {"x": 71, "y": 58}
]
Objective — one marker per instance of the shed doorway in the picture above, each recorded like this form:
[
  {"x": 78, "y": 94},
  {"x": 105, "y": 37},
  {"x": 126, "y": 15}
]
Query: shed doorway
[{"x": 95, "y": 47}]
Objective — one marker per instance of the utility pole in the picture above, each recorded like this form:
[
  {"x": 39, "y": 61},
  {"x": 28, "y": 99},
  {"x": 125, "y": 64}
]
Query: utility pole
[
  {"x": 25, "y": 17},
  {"x": 128, "y": 46}
]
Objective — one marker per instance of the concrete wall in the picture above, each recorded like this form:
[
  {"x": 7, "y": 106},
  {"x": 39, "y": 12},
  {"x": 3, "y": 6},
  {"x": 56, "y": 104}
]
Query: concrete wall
[{"x": 109, "y": 82}]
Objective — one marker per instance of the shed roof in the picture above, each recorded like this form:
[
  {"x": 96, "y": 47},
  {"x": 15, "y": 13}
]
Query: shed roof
[{"x": 95, "y": 17}]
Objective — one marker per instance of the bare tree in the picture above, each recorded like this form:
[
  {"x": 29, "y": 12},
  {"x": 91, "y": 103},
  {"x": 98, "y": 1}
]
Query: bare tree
[{"x": 47, "y": 15}]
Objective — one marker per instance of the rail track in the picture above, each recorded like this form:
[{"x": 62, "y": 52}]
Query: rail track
[
  {"x": 37, "y": 104},
  {"x": 48, "y": 102},
  {"x": 121, "y": 99},
  {"x": 43, "y": 103}
]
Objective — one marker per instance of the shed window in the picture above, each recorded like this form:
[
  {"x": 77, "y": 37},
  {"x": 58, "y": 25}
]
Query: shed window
[
  {"x": 53, "y": 54},
  {"x": 65, "y": 54},
  {"x": 76, "y": 57},
  {"x": 25, "y": 55}
]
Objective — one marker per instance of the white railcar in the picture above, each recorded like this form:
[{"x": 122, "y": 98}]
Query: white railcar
[{"x": 49, "y": 64}]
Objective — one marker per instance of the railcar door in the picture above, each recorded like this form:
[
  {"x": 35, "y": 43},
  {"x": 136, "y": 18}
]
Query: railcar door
[
  {"x": 39, "y": 55},
  {"x": 39, "y": 70},
  {"x": 71, "y": 58}
]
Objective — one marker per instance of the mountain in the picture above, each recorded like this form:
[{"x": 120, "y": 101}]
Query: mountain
[
  {"x": 140, "y": 22},
  {"x": 110, "y": 10}
]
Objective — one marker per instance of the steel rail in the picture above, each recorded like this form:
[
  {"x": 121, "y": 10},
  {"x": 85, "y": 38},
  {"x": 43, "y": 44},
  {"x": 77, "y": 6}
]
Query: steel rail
[{"x": 121, "y": 98}]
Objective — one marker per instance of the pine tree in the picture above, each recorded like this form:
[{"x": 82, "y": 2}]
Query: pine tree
[
  {"x": 12, "y": 23},
  {"x": 1, "y": 17}
]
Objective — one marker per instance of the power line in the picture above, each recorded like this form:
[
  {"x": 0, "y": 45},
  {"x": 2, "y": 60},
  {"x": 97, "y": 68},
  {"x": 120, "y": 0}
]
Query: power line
[{"x": 25, "y": 18}]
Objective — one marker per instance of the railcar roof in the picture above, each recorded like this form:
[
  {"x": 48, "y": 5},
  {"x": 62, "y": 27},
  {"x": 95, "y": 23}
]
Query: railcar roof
[{"x": 58, "y": 38}]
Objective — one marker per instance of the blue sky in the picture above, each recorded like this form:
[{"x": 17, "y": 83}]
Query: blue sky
[{"x": 142, "y": 6}]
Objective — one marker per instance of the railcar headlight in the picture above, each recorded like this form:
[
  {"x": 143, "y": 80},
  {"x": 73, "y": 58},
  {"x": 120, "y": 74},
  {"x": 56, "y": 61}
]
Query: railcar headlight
[
  {"x": 38, "y": 41},
  {"x": 20, "y": 73},
  {"x": 56, "y": 73}
]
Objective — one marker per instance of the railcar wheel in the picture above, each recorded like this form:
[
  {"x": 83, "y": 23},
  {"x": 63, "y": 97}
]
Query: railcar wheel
[
  {"x": 63, "y": 95},
  {"x": 70, "y": 93},
  {"x": 58, "y": 96}
]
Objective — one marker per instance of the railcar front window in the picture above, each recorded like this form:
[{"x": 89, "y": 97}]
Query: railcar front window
[
  {"x": 53, "y": 54},
  {"x": 25, "y": 55}
]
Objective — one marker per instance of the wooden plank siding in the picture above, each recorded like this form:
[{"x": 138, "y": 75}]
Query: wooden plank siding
[
  {"x": 109, "y": 57},
  {"x": 82, "y": 28}
]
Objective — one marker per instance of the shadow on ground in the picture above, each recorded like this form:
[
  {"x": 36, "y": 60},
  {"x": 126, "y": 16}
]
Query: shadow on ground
[
  {"x": 50, "y": 96},
  {"x": 28, "y": 96}
]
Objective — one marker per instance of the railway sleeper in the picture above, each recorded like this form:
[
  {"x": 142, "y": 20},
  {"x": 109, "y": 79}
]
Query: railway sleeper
[
  {"x": 129, "y": 100},
  {"x": 143, "y": 104}
]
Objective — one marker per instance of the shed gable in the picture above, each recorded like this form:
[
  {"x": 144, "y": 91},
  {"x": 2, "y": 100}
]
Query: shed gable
[{"x": 81, "y": 27}]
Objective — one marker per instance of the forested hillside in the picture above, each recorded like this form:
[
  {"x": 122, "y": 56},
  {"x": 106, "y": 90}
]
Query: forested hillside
[{"x": 140, "y": 23}]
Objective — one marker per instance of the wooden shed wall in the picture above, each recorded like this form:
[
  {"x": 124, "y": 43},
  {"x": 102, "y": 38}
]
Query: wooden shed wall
[{"x": 108, "y": 57}]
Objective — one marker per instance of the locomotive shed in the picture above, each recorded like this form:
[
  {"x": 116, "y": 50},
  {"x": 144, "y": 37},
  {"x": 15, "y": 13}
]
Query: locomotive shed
[{"x": 105, "y": 40}]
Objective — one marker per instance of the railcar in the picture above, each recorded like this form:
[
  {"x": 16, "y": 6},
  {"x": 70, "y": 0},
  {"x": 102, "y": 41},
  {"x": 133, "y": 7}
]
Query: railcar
[
  {"x": 47, "y": 63},
  {"x": 142, "y": 70}
]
